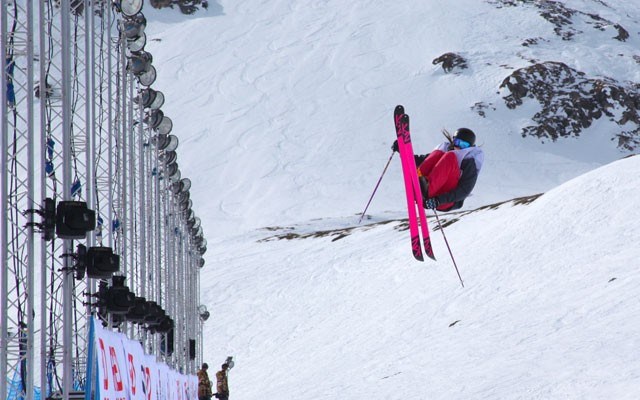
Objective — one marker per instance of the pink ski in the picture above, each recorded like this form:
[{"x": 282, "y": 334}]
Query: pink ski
[
  {"x": 412, "y": 188},
  {"x": 408, "y": 184}
]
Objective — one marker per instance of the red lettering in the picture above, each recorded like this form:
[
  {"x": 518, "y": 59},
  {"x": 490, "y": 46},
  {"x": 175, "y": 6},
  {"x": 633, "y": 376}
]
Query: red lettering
[
  {"x": 115, "y": 370},
  {"x": 105, "y": 381},
  {"x": 132, "y": 373},
  {"x": 147, "y": 379}
]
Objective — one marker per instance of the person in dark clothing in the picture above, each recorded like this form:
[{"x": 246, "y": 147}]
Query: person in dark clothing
[
  {"x": 222, "y": 383},
  {"x": 449, "y": 173}
]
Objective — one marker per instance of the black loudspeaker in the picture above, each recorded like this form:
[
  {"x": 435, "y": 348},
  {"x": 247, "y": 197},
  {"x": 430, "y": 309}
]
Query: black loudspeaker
[
  {"x": 101, "y": 263},
  {"x": 74, "y": 220},
  {"x": 192, "y": 349}
]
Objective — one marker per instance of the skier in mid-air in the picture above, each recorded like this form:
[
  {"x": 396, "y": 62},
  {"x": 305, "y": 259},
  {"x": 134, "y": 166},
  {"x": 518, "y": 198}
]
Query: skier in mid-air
[{"x": 449, "y": 173}]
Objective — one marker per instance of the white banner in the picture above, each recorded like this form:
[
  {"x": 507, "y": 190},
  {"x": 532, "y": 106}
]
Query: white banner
[{"x": 124, "y": 372}]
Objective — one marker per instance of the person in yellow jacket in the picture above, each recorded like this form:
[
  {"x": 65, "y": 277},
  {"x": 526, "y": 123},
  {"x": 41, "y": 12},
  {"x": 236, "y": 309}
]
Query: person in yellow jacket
[
  {"x": 222, "y": 384},
  {"x": 204, "y": 384}
]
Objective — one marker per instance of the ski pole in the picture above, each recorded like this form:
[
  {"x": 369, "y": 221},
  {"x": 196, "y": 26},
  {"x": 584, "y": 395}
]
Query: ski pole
[
  {"x": 448, "y": 248},
  {"x": 376, "y": 188}
]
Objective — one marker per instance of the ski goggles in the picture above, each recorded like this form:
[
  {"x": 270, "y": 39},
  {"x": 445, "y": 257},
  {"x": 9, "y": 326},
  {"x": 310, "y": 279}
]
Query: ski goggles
[{"x": 461, "y": 143}]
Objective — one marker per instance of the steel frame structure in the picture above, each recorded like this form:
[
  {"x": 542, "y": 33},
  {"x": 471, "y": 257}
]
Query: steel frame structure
[{"x": 73, "y": 128}]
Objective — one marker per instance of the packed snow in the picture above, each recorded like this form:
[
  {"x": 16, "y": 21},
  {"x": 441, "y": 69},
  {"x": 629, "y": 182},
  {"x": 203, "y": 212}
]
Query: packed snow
[{"x": 284, "y": 114}]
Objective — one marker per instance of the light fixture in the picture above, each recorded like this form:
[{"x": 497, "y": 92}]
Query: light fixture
[
  {"x": 204, "y": 314},
  {"x": 173, "y": 143},
  {"x": 202, "y": 250},
  {"x": 154, "y": 315},
  {"x": 153, "y": 118},
  {"x": 196, "y": 224},
  {"x": 101, "y": 262},
  {"x": 182, "y": 197},
  {"x": 184, "y": 206},
  {"x": 165, "y": 126},
  {"x": 186, "y": 184},
  {"x": 137, "y": 44},
  {"x": 196, "y": 231},
  {"x": 139, "y": 62},
  {"x": 175, "y": 176},
  {"x": 133, "y": 27},
  {"x": 120, "y": 299},
  {"x": 181, "y": 186},
  {"x": 160, "y": 141},
  {"x": 74, "y": 220},
  {"x": 168, "y": 157},
  {"x": 139, "y": 311},
  {"x": 130, "y": 7},
  {"x": 158, "y": 101},
  {"x": 147, "y": 78},
  {"x": 201, "y": 262},
  {"x": 146, "y": 97},
  {"x": 172, "y": 169},
  {"x": 48, "y": 213},
  {"x": 80, "y": 257}
]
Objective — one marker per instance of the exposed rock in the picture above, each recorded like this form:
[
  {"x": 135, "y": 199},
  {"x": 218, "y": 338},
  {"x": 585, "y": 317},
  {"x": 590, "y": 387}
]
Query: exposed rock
[
  {"x": 562, "y": 17},
  {"x": 450, "y": 61},
  {"x": 571, "y": 102},
  {"x": 480, "y": 108}
]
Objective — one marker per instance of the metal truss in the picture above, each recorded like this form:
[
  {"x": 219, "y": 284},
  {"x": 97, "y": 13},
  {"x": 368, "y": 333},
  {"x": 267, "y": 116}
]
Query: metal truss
[{"x": 74, "y": 127}]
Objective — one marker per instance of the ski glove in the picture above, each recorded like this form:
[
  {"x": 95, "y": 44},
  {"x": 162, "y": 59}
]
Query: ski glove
[
  {"x": 394, "y": 146},
  {"x": 431, "y": 203}
]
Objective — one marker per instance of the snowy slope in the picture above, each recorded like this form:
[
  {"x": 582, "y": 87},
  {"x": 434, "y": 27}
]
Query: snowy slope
[
  {"x": 550, "y": 309},
  {"x": 290, "y": 102},
  {"x": 283, "y": 110}
]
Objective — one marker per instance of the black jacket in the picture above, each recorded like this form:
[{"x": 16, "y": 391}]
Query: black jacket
[{"x": 468, "y": 178}]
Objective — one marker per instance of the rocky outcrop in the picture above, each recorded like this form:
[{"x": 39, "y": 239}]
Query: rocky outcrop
[
  {"x": 451, "y": 61},
  {"x": 564, "y": 18},
  {"x": 571, "y": 102}
]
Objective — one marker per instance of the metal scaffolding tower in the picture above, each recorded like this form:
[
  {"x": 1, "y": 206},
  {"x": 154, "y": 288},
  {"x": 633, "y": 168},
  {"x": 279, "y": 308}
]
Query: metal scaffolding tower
[{"x": 82, "y": 127}]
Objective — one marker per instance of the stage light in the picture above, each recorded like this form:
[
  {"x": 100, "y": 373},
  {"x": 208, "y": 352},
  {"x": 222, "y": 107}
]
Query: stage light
[
  {"x": 201, "y": 262},
  {"x": 74, "y": 220},
  {"x": 165, "y": 325},
  {"x": 101, "y": 262},
  {"x": 149, "y": 98},
  {"x": 172, "y": 145},
  {"x": 139, "y": 62},
  {"x": 137, "y": 44},
  {"x": 172, "y": 170},
  {"x": 146, "y": 97},
  {"x": 186, "y": 205},
  {"x": 130, "y": 7},
  {"x": 166, "y": 126},
  {"x": 181, "y": 186},
  {"x": 196, "y": 230},
  {"x": 133, "y": 27},
  {"x": 155, "y": 314},
  {"x": 148, "y": 77},
  {"x": 139, "y": 311},
  {"x": 48, "y": 213},
  {"x": 196, "y": 224},
  {"x": 168, "y": 157},
  {"x": 80, "y": 266},
  {"x": 119, "y": 298},
  {"x": 153, "y": 118},
  {"x": 158, "y": 102},
  {"x": 175, "y": 176},
  {"x": 160, "y": 141},
  {"x": 186, "y": 184}
]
